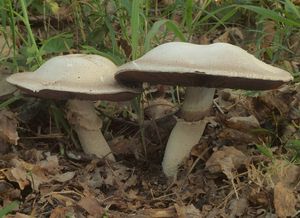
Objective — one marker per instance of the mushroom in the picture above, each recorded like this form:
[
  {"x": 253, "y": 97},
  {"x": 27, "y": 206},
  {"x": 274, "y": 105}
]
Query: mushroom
[
  {"x": 201, "y": 68},
  {"x": 81, "y": 79}
]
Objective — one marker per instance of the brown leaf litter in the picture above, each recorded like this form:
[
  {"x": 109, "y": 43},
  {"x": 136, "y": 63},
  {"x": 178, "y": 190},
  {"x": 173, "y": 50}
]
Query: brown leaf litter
[{"x": 226, "y": 178}]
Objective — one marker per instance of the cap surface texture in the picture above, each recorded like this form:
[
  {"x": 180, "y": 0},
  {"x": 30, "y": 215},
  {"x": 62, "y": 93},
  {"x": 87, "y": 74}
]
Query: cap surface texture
[
  {"x": 215, "y": 65},
  {"x": 80, "y": 76}
]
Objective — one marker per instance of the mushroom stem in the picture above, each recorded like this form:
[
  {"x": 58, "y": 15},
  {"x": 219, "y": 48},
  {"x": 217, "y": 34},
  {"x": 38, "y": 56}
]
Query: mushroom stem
[
  {"x": 181, "y": 140},
  {"x": 82, "y": 116},
  {"x": 187, "y": 132},
  {"x": 197, "y": 103}
]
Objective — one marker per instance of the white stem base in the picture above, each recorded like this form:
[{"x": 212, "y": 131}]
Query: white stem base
[
  {"x": 197, "y": 104},
  {"x": 181, "y": 141},
  {"x": 82, "y": 116}
]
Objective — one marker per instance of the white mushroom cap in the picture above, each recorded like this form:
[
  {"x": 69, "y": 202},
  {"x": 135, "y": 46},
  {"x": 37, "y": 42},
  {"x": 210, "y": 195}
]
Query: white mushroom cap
[
  {"x": 215, "y": 65},
  {"x": 80, "y": 76}
]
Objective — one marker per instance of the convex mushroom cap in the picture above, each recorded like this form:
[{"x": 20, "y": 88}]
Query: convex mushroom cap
[
  {"x": 78, "y": 76},
  {"x": 202, "y": 68},
  {"x": 216, "y": 65}
]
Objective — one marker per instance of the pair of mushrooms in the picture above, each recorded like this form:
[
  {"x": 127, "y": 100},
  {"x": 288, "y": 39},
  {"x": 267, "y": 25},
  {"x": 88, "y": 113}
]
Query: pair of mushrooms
[{"x": 201, "y": 68}]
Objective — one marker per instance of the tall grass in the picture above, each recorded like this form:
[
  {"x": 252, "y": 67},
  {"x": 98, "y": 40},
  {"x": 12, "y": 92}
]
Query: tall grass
[{"x": 124, "y": 30}]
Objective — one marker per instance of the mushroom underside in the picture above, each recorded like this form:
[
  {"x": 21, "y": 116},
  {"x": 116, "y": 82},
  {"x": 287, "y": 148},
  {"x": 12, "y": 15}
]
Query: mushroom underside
[
  {"x": 196, "y": 79},
  {"x": 64, "y": 95}
]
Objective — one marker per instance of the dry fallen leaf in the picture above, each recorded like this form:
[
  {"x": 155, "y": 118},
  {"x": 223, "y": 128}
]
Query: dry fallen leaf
[
  {"x": 25, "y": 173},
  {"x": 92, "y": 206},
  {"x": 8, "y": 192},
  {"x": 158, "y": 213},
  {"x": 257, "y": 196},
  {"x": 284, "y": 201},
  {"x": 226, "y": 160},
  {"x": 17, "y": 175},
  {"x": 275, "y": 100},
  {"x": 62, "y": 198},
  {"x": 8, "y": 127},
  {"x": 21, "y": 215},
  {"x": 237, "y": 137},
  {"x": 59, "y": 212},
  {"x": 238, "y": 207},
  {"x": 189, "y": 211},
  {"x": 243, "y": 123},
  {"x": 125, "y": 146},
  {"x": 285, "y": 172},
  {"x": 64, "y": 177}
]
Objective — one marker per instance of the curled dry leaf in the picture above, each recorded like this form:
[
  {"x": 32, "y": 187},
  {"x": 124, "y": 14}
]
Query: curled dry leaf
[
  {"x": 284, "y": 201},
  {"x": 226, "y": 160},
  {"x": 8, "y": 127}
]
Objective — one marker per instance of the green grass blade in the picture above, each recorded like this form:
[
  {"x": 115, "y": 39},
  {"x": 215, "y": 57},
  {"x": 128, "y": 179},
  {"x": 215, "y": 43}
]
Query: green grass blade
[
  {"x": 9, "y": 208},
  {"x": 264, "y": 150},
  {"x": 10, "y": 101},
  {"x": 222, "y": 21},
  {"x": 176, "y": 30},
  {"x": 112, "y": 35},
  {"x": 112, "y": 57},
  {"x": 211, "y": 14},
  {"x": 29, "y": 31},
  {"x": 13, "y": 32},
  {"x": 290, "y": 6},
  {"x": 271, "y": 15},
  {"x": 156, "y": 29},
  {"x": 188, "y": 14},
  {"x": 135, "y": 27}
]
